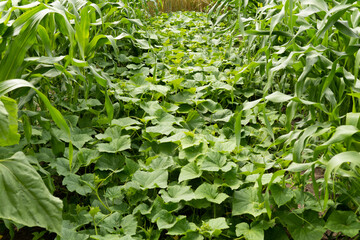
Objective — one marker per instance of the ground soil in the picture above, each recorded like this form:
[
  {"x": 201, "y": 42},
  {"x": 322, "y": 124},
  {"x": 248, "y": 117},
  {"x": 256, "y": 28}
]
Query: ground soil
[{"x": 26, "y": 233}]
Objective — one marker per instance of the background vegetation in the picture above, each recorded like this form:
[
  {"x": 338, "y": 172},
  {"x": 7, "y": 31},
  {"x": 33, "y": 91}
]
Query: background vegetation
[
  {"x": 178, "y": 5},
  {"x": 241, "y": 122}
]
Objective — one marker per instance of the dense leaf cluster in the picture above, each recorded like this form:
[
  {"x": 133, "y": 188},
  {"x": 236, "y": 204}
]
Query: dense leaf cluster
[{"x": 242, "y": 122}]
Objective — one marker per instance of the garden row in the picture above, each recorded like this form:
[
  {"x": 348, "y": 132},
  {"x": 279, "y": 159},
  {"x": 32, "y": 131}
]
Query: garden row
[{"x": 242, "y": 122}]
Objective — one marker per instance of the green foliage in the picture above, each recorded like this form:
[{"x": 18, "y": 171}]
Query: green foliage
[
  {"x": 8, "y": 122},
  {"x": 239, "y": 123},
  {"x": 25, "y": 197}
]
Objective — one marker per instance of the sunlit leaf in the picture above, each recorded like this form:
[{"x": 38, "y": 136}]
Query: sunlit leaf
[
  {"x": 155, "y": 179},
  {"x": 209, "y": 192},
  {"x": 246, "y": 201},
  {"x": 189, "y": 171}
]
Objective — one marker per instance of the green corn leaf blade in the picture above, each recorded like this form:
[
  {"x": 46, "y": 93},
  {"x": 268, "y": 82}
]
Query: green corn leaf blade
[
  {"x": 13, "y": 59},
  {"x": 237, "y": 129},
  {"x": 278, "y": 97},
  {"x": 299, "y": 167},
  {"x": 65, "y": 27},
  {"x": 71, "y": 154},
  {"x": 217, "y": 7},
  {"x": 27, "y": 127},
  {"x": 342, "y": 133},
  {"x": 43, "y": 34},
  {"x": 290, "y": 114},
  {"x": 23, "y": 18},
  {"x": 45, "y": 60},
  {"x": 82, "y": 29},
  {"x": 300, "y": 144},
  {"x": 334, "y": 163},
  {"x": 357, "y": 95},
  {"x": 357, "y": 65},
  {"x": 8, "y": 122},
  {"x": 220, "y": 18},
  {"x": 3, "y": 5},
  {"x": 98, "y": 10},
  {"x": 267, "y": 33},
  {"x": 10, "y": 85},
  {"x": 268, "y": 126},
  {"x": 27, "y": 200},
  {"x": 246, "y": 2},
  {"x": 55, "y": 114},
  {"x": 345, "y": 30},
  {"x": 335, "y": 14},
  {"x": 15, "y": 55},
  {"x": 277, "y": 174},
  {"x": 320, "y": 4},
  {"x": 311, "y": 59},
  {"x": 96, "y": 42},
  {"x": 250, "y": 105},
  {"x": 283, "y": 64},
  {"x": 291, "y": 14},
  {"x": 99, "y": 79},
  {"x": 353, "y": 119},
  {"x": 276, "y": 19},
  {"x": 352, "y": 48},
  {"x": 109, "y": 107},
  {"x": 240, "y": 22}
]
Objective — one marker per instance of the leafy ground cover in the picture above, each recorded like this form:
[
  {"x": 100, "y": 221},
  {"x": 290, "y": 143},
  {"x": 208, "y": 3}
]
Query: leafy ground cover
[{"x": 239, "y": 123}]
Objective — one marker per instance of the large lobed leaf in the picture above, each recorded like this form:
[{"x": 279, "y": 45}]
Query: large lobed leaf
[
  {"x": 246, "y": 201},
  {"x": 24, "y": 197}
]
